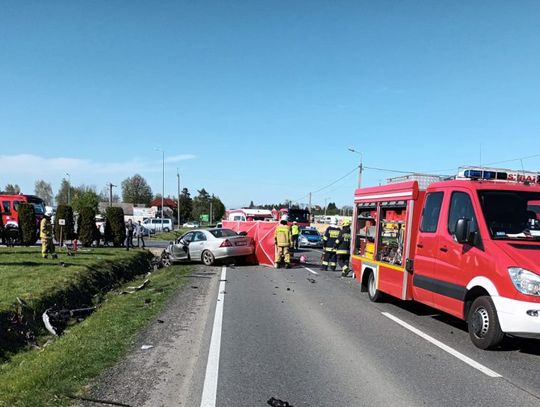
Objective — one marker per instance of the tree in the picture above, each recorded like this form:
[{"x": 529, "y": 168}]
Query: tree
[
  {"x": 44, "y": 191},
  {"x": 136, "y": 190},
  {"x": 186, "y": 205},
  {"x": 11, "y": 189},
  {"x": 201, "y": 204},
  {"x": 85, "y": 196},
  {"x": 27, "y": 224},
  {"x": 86, "y": 226},
  {"x": 251, "y": 205},
  {"x": 115, "y": 228},
  {"x": 65, "y": 193},
  {"x": 218, "y": 208},
  {"x": 104, "y": 196},
  {"x": 68, "y": 230}
]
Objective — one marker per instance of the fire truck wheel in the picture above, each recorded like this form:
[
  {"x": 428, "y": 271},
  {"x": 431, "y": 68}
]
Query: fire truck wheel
[
  {"x": 207, "y": 258},
  {"x": 373, "y": 294},
  {"x": 483, "y": 323}
]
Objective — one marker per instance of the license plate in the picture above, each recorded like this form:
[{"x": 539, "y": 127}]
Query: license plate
[{"x": 241, "y": 243}]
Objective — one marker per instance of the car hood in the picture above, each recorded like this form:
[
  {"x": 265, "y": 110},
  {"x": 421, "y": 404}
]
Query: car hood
[
  {"x": 522, "y": 254},
  {"x": 312, "y": 238}
]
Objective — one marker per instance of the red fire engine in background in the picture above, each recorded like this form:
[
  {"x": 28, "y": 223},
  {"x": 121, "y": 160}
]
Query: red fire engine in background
[{"x": 469, "y": 246}]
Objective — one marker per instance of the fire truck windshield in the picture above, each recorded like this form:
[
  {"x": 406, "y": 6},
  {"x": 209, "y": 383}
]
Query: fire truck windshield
[
  {"x": 511, "y": 215},
  {"x": 39, "y": 206},
  {"x": 298, "y": 215}
]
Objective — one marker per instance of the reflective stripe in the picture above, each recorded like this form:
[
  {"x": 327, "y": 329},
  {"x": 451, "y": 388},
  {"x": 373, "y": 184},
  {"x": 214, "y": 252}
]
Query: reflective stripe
[
  {"x": 342, "y": 252},
  {"x": 324, "y": 263}
]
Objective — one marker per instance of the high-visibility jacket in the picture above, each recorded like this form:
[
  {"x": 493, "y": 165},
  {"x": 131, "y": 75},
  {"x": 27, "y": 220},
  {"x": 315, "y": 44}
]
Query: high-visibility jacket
[
  {"x": 343, "y": 241},
  {"x": 329, "y": 238},
  {"x": 282, "y": 236},
  {"x": 295, "y": 230},
  {"x": 45, "y": 229}
]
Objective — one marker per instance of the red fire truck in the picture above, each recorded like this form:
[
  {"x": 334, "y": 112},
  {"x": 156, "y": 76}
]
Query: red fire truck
[
  {"x": 468, "y": 246},
  {"x": 10, "y": 208},
  {"x": 300, "y": 216}
]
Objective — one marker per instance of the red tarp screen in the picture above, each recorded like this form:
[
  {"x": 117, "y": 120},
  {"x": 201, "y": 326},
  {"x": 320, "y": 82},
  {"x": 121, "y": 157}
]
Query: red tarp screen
[{"x": 263, "y": 235}]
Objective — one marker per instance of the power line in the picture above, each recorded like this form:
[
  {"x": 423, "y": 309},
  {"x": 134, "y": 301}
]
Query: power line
[{"x": 329, "y": 185}]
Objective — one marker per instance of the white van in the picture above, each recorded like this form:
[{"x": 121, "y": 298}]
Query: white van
[{"x": 155, "y": 225}]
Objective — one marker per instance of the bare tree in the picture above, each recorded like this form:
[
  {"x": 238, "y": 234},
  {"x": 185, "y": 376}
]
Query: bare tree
[{"x": 44, "y": 190}]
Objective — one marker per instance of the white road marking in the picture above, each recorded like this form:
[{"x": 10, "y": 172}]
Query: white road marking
[
  {"x": 212, "y": 367},
  {"x": 311, "y": 271},
  {"x": 444, "y": 347}
]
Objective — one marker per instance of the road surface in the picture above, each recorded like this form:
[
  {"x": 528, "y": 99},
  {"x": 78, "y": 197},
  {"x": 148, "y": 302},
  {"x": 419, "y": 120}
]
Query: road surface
[{"x": 311, "y": 338}]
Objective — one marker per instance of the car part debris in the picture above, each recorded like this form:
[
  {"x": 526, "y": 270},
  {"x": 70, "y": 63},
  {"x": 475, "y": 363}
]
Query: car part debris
[
  {"x": 146, "y": 347},
  {"x": 132, "y": 290},
  {"x": 55, "y": 321},
  {"x": 311, "y": 280},
  {"x": 98, "y": 401},
  {"x": 278, "y": 403}
]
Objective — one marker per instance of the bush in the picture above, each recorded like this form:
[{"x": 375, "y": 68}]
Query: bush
[
  {"x": 86, "y": 226},
  {"x": 27, "y": 224},
  {"x": 68, "y": 230},
  {"x": 115, "y": 226}
]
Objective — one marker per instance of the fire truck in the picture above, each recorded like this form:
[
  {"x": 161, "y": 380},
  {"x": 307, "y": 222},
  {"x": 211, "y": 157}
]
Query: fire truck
[
  {"x": 468, "y": 246},
  {"x": 245, "y": 214},
  {"x": 300, "y": 216}
]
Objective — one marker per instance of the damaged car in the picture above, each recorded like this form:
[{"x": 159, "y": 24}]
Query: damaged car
[{"x": 209, "y": 245}]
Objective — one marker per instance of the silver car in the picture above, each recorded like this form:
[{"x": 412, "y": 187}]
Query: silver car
[{"x": 209, "y": 245}]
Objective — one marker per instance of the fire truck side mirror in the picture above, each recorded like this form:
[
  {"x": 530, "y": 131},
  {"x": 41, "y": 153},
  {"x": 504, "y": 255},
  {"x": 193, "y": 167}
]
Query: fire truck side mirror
[{"x": 462, "y": 232}]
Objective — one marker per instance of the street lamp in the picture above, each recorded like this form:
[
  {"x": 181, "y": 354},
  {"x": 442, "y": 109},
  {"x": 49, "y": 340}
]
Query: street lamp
[
  {"x": 162, "y": 183},
  {"x": 69, "y": 188},
  {"x": 360, "y": 168}
]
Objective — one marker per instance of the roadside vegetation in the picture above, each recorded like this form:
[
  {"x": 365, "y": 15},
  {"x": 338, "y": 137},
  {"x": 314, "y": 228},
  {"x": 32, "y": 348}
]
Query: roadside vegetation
[
  {"x": 60, "y": 372},
  {"x": 172, "y": 235}
]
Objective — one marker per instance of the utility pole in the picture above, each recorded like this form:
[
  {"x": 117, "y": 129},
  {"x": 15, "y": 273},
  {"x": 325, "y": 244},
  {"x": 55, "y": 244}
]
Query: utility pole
[
  {"x": 178, "y": 206},
  {"x": 110, "y": 185},
  {"x": 360, "y": 166}
]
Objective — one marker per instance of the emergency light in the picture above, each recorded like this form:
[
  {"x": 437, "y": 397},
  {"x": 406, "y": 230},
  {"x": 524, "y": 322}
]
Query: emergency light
[{"x": 498, "y": 174}]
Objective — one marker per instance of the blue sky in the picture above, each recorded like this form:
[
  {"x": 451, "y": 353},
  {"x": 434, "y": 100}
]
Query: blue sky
[{"x": 259, "y": 100}]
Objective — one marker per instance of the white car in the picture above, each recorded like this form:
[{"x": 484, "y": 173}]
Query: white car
[
  {"x": 209, "y": 245},
  {"x": 158, "y": 225},
  {"x": 191, "y": 225}
]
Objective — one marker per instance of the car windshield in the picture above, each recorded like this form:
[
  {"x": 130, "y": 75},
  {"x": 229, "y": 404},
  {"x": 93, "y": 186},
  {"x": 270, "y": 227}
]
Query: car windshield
[
  {"x": 310, "y": 232},
  {"x": 298, "y": 215},
  {"x": 223, "y": 233},
  {"x": 511, "y": 215}
]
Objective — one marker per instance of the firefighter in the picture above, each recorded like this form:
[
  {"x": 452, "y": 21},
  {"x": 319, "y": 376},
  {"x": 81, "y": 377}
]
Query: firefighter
[
  {"x": 46, "y": 236},
  {"x": 329, "y": 239},
  {"x": 343, "y": 247},
  {"x": 295, "y": 232},
  {"x": 283, "y": 240}
]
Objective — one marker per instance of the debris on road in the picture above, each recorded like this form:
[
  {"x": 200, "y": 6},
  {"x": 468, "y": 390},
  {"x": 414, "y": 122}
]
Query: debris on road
[
  {"x": 138, "y": 288},
  {"x": 278, "y": 403},
  {"x": 146, "y": 347},
  {"x": 311, "y": 280}
]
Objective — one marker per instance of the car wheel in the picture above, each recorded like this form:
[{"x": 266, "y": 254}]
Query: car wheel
[
  {"x": 166, "y": 230},
  {"x": 483, "y": 323},
  {"x": 207, "y": 258},
  {"x": 373, "y": 294}
]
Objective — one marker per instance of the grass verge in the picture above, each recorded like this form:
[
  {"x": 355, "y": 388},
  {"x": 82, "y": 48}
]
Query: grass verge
[
  {"x": 48, "y": 377},
  {"x": 43, "y": 283}
]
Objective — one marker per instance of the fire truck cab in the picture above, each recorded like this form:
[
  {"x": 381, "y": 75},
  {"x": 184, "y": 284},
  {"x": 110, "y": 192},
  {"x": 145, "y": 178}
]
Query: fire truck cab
[{"x": 469, "y": 246}]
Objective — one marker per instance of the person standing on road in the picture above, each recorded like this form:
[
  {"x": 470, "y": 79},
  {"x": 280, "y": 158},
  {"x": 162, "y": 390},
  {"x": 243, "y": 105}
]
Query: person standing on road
[
  {"x": 343, "y": 247},
  {"x": 139, "y": 233},
  {"x": 329, "y": 240},
  {"x": 129, "y": 234},
  {"x": 46, "y": 236},
  {"x": 295, "y": 233},
  {"x": 283, "y": 240}
]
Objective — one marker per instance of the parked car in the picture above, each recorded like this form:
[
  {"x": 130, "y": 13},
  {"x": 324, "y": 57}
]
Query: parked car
[
  {"x": 209, "y": 245},
  {"x": 309, "y": 237},
  {"x": 158, "y": 225},
  {"x": 191, "y": 225}
]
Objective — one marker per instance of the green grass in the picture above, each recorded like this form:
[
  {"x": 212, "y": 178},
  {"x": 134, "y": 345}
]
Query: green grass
[
  {"x": 67, "y": 366},
  {"x": 172, "y": 235},
  {"x": 25, "y": 274}
]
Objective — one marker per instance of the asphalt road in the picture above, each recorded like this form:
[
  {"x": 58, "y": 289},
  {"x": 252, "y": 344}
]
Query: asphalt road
[
  {"x": 237, "y": 336},
  {"x": 316, "y": 340}
]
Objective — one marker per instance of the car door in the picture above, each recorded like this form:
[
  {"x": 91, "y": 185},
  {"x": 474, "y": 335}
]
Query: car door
[
  {"x": 426, "y": 247},
  {"x": 181, "y": 250},
  {"x": 456, "y": 260},
  {"x": 197, "y": 245}
]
